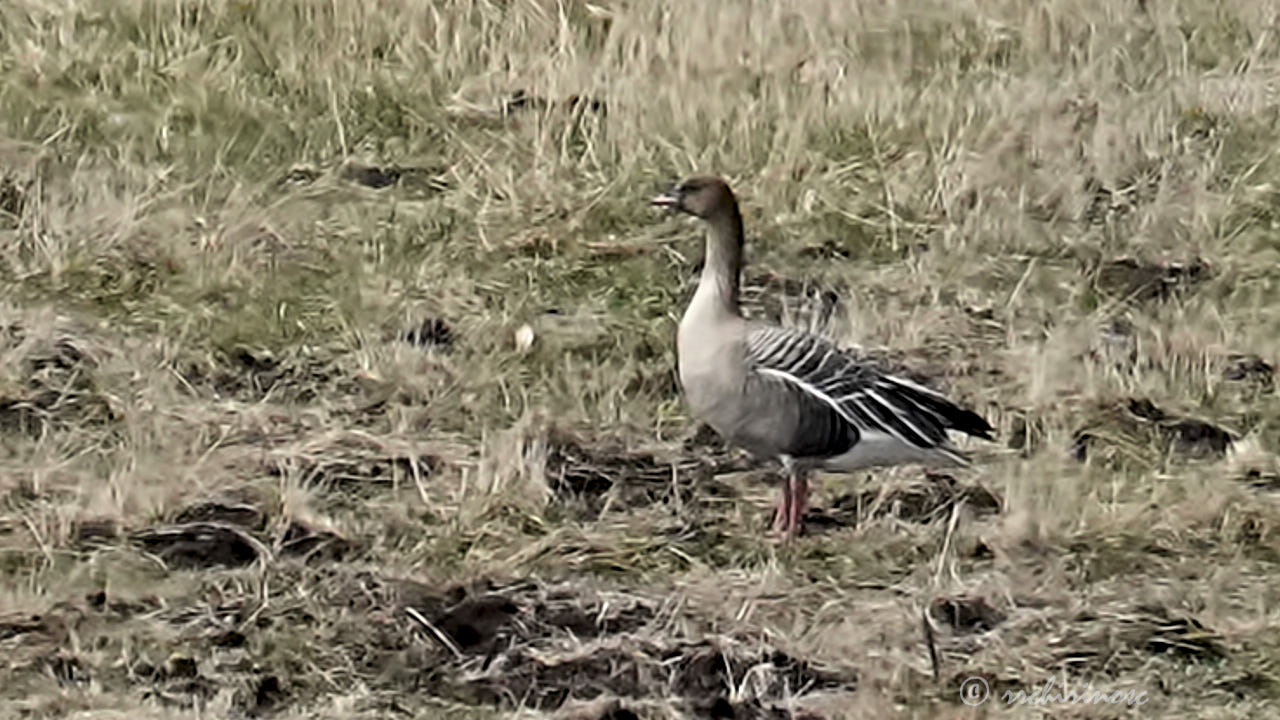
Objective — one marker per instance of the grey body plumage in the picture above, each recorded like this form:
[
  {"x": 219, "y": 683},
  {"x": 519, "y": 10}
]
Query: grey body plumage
[{"x": 792, "y": 395}]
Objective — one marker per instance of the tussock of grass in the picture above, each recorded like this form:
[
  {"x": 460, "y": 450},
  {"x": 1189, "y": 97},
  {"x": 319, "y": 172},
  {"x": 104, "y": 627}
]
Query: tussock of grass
[{"x": 326, "y": 327}]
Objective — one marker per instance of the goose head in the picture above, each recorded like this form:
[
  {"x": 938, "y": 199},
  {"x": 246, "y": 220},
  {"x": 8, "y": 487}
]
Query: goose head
[{"x": 702, "y": 196}]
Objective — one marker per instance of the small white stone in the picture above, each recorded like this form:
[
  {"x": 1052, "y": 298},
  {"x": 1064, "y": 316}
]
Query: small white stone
[{"x": 524, "y": 337}]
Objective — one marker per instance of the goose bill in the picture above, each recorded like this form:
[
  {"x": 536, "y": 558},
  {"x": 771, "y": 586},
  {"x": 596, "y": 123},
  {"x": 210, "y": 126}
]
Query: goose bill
[{"x": 667, "y": 200}]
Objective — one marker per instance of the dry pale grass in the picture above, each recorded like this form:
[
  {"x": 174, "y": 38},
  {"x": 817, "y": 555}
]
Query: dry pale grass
[{"x": 336, "y": 357}]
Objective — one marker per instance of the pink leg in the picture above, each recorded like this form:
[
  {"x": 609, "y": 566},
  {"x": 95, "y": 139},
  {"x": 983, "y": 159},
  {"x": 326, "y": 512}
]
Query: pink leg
[
  {"x": 782, "y": 514},
  {"x": 799, "y": 486}
]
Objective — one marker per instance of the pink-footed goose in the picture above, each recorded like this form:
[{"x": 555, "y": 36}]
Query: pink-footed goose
[{"x": 784, "y": 393}]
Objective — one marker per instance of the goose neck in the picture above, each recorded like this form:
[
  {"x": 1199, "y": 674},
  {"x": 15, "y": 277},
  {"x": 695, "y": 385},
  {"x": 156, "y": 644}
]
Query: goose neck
[{"x": 722, "y": 265}]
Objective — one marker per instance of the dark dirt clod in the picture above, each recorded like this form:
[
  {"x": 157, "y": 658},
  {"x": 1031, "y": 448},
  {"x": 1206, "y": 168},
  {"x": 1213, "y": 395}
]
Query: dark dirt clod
[
  {"x": 1262, "y": 480},
  {"x": 722, "y": 709},
  {"x": 982, "y": 551},
  {"x": 1140, "y": 281},
  {"x": 67, "y": 669},
  {"x": 1185, "y": 637},
  {"x": 95, "y": 531},
  {"x": 966, "y": 614},
  {"x": 300, "y": 175},
  {"x": 1190, "y": 437},
  {"x": 828, "y": 249},
  {"x": 180, "y": 666},
  {"x": 431, "y": 332},
  {"x": 1080, "y": 446},
  {"x": 1138, "y": 422},
  {"x": 920, "y": 502},
  {"x": 13, "y": 197},
  {"x": 1026, "y": 435},
  {"x": 230, "y": 511},
  {"x": 268, "y": 693},
  {"x": 371, "y": 176},
  {"x": 255, "y": 360},
  {"x": 590, "y": 104},
  {"x": 229, "y": 639},
  {"x": 21, "y": 625},
  {"x": 427, "y": 179},
  {"x": 1200, "y": 439},
  {"x": 1249, "y": 368},
  {"x": 475, "y": 622},
  {"x": 201, "y": 545}
]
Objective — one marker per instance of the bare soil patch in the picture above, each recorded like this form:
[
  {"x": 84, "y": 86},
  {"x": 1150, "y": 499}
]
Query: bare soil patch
[
  {"x": 929, "y": 500},
  {"x": 1135, "y": 426},
  {"x": 605, "y": 473}
]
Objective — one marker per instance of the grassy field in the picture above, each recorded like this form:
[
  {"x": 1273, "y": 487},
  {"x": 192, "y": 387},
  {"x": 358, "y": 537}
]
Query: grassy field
[{"x": 337, "y": 357}]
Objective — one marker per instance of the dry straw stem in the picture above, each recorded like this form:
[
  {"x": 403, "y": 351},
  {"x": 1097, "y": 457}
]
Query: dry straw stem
[{"x": 262, "y": 413}]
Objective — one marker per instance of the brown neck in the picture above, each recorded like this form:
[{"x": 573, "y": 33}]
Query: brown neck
[{"x": 722, "y": 264}]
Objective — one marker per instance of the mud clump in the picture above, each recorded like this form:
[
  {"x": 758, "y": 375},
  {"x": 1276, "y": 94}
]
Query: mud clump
[
  {"x": 432, "y": 332},
  {"x": 377, "y": 177},
  {"x": 51, "y": 379},
  {"x": 966, "y": 614},
  {"x": 1250, "y": 369},
  {"x": 14, "y": 195},
  {"x": 1136, "y": 426},
  {"x": 1027, "y": 434},
  {"x": 475, "y": 622},
  {"x": 94, "y": 531},
  {"x": 238, "y": 511},
  {"x": 1139, "y": 281},
  {"x": 201, "y": 545}
]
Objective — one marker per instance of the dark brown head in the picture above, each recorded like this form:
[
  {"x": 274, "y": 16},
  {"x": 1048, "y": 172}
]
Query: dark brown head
[{"x": 703, "y": 197}]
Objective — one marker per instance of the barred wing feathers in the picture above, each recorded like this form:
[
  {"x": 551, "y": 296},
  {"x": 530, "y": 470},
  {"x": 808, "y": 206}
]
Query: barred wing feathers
[{"x": 835, "y": 386}]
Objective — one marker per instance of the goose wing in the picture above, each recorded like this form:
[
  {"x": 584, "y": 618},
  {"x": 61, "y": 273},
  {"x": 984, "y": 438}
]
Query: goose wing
[{"x": 840, "y": 395}]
